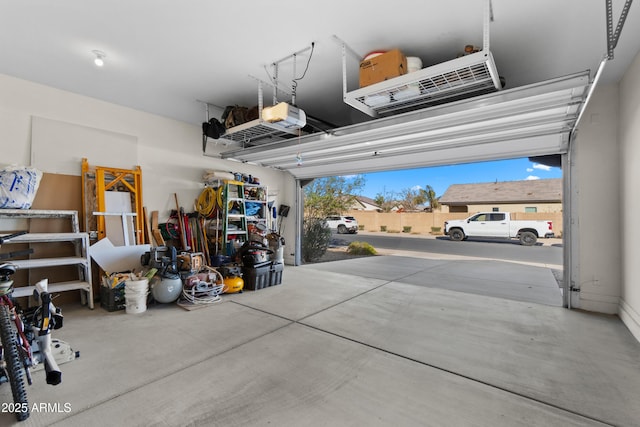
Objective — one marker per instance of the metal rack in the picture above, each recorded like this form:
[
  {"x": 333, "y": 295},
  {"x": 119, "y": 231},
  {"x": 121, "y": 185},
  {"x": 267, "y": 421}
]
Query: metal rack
[
  {"x": 237, "y": 225},
  {"x": 81, "y": 259},
  {"x": 463, "y": 77},
  {"x": 257, "y": 129},
  {"x": 470, "y": 75}
]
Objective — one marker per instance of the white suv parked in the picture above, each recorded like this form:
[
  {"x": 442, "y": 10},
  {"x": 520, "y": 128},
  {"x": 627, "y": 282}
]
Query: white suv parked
[{"x": 343, "y": 224}]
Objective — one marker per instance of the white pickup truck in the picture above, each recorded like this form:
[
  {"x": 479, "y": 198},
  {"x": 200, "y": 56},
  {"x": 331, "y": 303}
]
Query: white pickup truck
[{"x": 498, "y": 224}]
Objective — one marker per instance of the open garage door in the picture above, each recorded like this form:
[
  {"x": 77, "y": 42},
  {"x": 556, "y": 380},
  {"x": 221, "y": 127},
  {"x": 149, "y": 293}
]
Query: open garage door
[
  {"x": 532, "y": 120},
  {"x": 529, "y": 121}
]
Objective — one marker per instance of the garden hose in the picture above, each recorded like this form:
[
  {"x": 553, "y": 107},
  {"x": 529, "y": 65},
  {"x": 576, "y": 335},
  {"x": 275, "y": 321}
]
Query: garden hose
[
  {"x": 220, "y": 196},
  {"x": 207, "y": 202}
]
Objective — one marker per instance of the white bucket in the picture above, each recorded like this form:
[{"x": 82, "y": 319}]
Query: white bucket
[
  {"x": 135, "y": 296},
  {"x": 414, "y": 64}
]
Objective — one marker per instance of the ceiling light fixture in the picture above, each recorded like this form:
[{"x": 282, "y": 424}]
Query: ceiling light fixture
[{"x": 99, "y": 59}]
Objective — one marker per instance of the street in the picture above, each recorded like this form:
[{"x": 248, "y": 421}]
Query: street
[{"x": 508, "y": 250}]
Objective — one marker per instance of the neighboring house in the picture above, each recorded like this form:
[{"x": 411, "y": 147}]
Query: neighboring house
[
  {"x": 365, "y": 204},
  {"x": 399, "y": 207},
  {"x": 541, "y": 195},
  {"x": 426, "y": 208}
]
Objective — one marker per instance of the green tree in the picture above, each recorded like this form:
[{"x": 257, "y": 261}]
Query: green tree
[
  {"x": 410, "y": 198},
  {"x": 323, "y": 197},
  {"x": 386, "y": 201},
  {"x": 331, "y": 195},
  {"x": 430, "y": 195}
]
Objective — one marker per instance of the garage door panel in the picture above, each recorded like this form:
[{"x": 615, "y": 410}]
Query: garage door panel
[
  {"x": 527, "y": 121},
  {"x": 533, "y": 146}
]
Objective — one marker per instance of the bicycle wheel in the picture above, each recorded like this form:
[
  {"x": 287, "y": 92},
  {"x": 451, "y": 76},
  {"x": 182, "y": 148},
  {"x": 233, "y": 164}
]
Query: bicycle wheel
[{"x": 13, "y": 365}]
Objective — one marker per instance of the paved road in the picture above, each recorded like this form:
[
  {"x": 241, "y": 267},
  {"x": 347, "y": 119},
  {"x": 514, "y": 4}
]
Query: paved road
[{"x": 548, "y": 251}]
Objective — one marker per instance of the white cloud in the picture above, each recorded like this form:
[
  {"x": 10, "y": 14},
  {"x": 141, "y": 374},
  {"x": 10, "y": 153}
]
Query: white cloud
[
  {"x": 529, "y": 170},
  {"x": 532, "y": 178},
  {"x": 416, "y": 187},
  {"x": 541, "y": 167}
]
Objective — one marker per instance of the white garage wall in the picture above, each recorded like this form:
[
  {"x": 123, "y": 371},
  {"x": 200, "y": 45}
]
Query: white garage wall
[
  {"x": 168, "y": 151},
  {"x": 597, "y": 175},
  {"x": 629, "y": 136}
]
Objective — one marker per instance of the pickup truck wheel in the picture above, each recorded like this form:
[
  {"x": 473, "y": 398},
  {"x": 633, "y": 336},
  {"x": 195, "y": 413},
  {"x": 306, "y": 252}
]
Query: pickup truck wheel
[
  {"x": 456, "y": 234},
  {"x": 527, "y": 238}
]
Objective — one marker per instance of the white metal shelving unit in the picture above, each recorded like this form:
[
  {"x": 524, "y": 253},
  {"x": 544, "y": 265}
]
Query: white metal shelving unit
[
  {"x": 470, "y": 75},
  {"x": 80, "y": 260},
  {"x": 256, "y": 193}
]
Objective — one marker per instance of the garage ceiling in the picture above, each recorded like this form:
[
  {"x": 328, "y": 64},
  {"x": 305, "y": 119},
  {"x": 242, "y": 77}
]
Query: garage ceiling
[{"x": 170, "y": 58}]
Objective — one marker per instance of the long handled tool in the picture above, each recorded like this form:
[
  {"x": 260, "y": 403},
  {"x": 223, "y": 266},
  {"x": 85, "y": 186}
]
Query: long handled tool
[{"x": 183, "y": 234}]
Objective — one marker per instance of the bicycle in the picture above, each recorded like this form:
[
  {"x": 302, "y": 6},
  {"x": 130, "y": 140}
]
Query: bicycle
[{"x": 25, "y": 337}]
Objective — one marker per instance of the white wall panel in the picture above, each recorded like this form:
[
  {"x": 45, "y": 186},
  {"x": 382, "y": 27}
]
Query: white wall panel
[
  {"x": 59, "y": 147},
  {"x": 598, "y": 223},
  {"x": 629, "y": 136}
]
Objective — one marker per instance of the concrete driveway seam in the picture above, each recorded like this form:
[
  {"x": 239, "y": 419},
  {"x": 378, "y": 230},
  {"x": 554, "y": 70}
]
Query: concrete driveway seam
[
  {"x": 410, "y": 359},
  {"x": 466, "y": 377}
]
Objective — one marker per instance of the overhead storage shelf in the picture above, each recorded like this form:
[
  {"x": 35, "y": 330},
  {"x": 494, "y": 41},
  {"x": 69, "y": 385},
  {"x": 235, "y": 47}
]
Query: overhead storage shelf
[
  {"x": 274, "y": 123},
  {"x": 256, "y": 129},
  {"x": 460, "y": 78}
]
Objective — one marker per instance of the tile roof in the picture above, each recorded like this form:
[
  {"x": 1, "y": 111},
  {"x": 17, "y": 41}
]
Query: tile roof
[
  {"x": 539, "y": 190},
  {"x": 367, "y": 200}
]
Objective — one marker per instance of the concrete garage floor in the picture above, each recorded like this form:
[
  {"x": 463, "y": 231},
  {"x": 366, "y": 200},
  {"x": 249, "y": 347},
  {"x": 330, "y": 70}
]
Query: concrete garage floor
[{"x": 363, "y": 342}]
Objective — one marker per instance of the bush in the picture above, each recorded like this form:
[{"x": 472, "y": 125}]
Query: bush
[
  {"x": 361, "y": 227},
  {"x": 406, "y": 229},
  {"x": 361, "y": 248},
  {"x": 383, "y": 228},
  {"x": 316, "y": 236}
]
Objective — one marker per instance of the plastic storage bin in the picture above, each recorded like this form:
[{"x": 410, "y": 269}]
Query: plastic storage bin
[
  {"x": 112, "y": 299},
  {"x": 256, "y": 277},
  {"x": 275, "y": 274},
  {"x": 262, "y": 276}
]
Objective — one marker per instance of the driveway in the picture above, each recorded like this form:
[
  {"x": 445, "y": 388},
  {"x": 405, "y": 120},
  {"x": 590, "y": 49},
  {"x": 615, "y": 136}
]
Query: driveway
[{"x": 518, "y": 279}]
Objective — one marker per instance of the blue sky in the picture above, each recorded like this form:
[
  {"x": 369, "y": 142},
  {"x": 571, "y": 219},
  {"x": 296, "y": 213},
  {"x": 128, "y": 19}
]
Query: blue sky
[{"x": 441, "y": 177}]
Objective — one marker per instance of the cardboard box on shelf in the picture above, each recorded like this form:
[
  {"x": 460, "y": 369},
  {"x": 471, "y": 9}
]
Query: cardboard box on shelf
[{"x": 382, "y": 67}]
